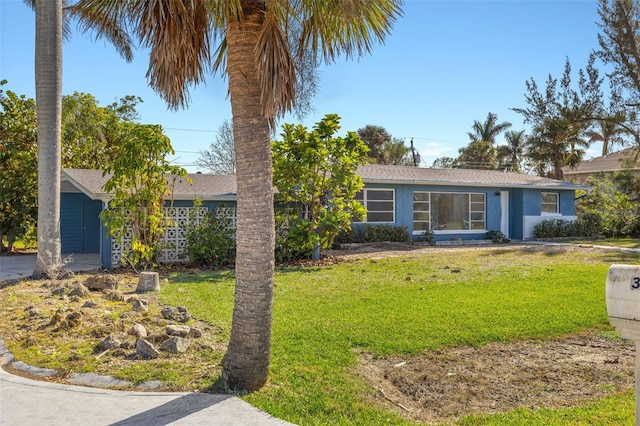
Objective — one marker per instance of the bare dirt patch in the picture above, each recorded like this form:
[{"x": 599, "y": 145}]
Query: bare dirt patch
[{"x": 448, "y": 384}]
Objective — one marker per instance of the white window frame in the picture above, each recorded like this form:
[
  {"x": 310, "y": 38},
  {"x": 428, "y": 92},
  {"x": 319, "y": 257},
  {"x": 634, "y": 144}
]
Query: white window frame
[
  {"x": 470, "y": 230},
  {"x": 365, "y": 201},
  {"x": 543, "y": 203}
]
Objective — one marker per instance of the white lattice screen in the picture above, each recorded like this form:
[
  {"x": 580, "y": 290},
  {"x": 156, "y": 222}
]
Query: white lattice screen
[{"x": 175, "y": 236}]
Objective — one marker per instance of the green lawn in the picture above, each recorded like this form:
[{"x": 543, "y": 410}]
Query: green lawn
[{"x": 325, "y": 316}]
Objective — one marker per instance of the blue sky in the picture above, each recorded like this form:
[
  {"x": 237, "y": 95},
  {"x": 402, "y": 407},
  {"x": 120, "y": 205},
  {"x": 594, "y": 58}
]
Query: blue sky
[{"x": 446, "y": 64}]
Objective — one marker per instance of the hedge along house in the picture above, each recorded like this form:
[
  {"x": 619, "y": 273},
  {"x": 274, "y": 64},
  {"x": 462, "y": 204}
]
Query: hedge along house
[
  {"x": 461, "y": 203},
  {"x": 453, "y": 203},
  {"x": 83, "y": 199}
]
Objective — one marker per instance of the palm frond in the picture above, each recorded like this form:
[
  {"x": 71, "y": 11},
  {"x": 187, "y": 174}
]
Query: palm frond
[
  {"x": 177, "y": 34},
  {"x": 276, "y": 69},
  {"x": 107, "y": 18}
]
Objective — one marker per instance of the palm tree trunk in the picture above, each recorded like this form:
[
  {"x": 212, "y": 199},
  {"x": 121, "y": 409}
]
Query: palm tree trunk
[
  {"x": 48, "y": 71},
  {"x": 246, "y": 364}
]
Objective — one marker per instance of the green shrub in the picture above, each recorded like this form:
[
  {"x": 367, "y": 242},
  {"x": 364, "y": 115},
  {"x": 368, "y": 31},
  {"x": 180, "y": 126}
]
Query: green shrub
[
  {"x": 497, "y": 237},
  {"x": 558, "y": 228},
  {"x": 294, "y": 240},
  {"x": 373, "y": 234},
  {"x": 212, "y": 243}
]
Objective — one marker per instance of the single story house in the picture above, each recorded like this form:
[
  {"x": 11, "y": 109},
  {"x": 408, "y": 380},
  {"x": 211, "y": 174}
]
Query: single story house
[
  {"x": 453, "y": 203},
  {"x": 623, "y": 160}
]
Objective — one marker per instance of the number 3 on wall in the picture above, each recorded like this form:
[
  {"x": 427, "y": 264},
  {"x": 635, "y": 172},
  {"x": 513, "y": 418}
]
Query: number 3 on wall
[{"x": 635, "y": 283}]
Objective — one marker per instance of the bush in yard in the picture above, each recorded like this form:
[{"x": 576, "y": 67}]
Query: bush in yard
[
  {"x": 558, "y": 228},
  {"x": 212, "y": 243},
  {"x": 373, "y": 234},
  {"x": 497, "y": 237}
]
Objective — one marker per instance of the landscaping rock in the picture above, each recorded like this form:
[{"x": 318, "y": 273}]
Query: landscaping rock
[
  {"x": 177, "y": 330},
  {"x": 57, "y": 291},
  {"x": 195, "y": 333},
  {"x": 146, "y": 350},
  {"x": 113, "y": 295},
  {"x": 89, "y": 304},
  {"x": 74, "y": 319},
  {"x": 175, "y": 345},
  {"x": 148, "y": 281},
  {"x": 102, "y": 282},
  {"x": 139, "y": 304},
  {"x": 109, "y": 342},
  {"x": 79, "y": 290},
  {"x": 178, "y": 314},
  {"x": 137, "y": 330}
]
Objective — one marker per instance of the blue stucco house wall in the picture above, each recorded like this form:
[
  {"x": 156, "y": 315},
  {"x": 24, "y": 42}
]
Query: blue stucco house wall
[{"x": 452, "y": 203}]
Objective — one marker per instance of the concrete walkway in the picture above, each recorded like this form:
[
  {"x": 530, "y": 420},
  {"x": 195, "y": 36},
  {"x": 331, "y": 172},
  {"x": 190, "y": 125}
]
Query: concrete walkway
[
  {"x": 22, "y": 265},
  {"x": 26, "y": 402}
]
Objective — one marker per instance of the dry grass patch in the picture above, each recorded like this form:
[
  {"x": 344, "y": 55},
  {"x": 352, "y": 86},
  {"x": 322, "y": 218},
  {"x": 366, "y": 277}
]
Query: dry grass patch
[{"x": 448, "y": 384}]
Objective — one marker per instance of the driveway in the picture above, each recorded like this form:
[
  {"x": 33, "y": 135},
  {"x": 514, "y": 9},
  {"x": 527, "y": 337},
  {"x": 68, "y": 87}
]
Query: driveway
[{"x": 22, "y": 265}]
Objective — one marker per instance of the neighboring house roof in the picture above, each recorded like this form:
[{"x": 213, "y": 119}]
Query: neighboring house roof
[
  {"x": 203, "y": 186},
  {"x": 374, "y": 173},
  {"x": 223, "y": 187},
  {"x": 615, "y": 161}
]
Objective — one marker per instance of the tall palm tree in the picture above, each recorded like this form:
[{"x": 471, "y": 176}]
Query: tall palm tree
[
  {"x": 257, "y": 52},
  {"x": 48, "y": 72},
  {"x": 511, "y": 154},
  {"x": 489, "y": 130}
]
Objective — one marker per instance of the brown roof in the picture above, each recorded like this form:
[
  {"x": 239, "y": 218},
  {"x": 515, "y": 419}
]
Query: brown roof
[
  {"x": 221, "y": 187},
  {"x": 607, "y": 163},
  {"x": 203, "y": 186},
  {"x": 374, "y": 173}
]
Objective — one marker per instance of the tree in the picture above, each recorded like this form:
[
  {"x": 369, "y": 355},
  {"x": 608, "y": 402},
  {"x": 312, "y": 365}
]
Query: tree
[
  {"x": 220, "y": 159},
  {"x": 444, "y": 163},
  {"x": 489, "y": 130},
  {"x": 477, "y": 155},
  {"x": 384, "y": 148},
  {"x": 90, "y": 132},
  {"x": 561, "y": 117},
  {"x": 18, "y": 156},
  {"x": 315, "y": 174},
  {"x": 510, "y": 154},
  {"x": 257, "y": 55},
  {"x": 138, "y": 179},
  {"x": 619, "y": 40},
  {"x": 48, "y": 72}
]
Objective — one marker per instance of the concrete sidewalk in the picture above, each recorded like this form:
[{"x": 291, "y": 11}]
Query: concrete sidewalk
[
  {"x": 25, "y": 402},
  {"x": 21, "y": 265}
]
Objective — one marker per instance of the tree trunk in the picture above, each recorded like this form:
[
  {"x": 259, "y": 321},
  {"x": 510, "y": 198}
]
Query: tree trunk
[
  {"x": 48, "y": 71},
  {"x": 246, "y": 364}
]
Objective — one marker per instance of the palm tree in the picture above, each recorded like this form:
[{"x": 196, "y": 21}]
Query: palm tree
[
  {"x": 477, "y": 155},
  {"x": 554, "y": 144},
  {"x": 48, "y": 71},
  {"x": 609, "y": 133},
  {"x": 257, "y": 52},
  {"x": 511, "y": 154},
  {"x": 489, "y": 130}
]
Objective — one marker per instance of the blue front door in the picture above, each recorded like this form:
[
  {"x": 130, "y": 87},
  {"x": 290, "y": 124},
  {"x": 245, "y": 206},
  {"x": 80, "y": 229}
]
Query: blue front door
[{"x": 91, "y": 226}]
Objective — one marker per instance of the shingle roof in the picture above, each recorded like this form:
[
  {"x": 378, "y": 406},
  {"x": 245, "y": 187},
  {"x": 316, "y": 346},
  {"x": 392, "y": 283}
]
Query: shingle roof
[
  {"x": 373, "y": 173},
  {"x": 204, "y": 186},
  {"x": 220, "y": 187},
  {"x": 607, "y": 163}
]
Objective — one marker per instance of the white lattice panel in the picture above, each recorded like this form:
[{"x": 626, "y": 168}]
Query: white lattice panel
[{"x": 174, "y": 242}]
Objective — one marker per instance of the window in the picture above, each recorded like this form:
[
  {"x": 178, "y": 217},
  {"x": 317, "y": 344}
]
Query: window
[
  {"x": 448, "y": 211},
  {"x": 421, "y": 211},
  {"x": 380, "y": 204},
  {"x": 550, "y": 204}
]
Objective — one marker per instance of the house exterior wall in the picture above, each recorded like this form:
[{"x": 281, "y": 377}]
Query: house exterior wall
[{"x": 524, "y": 209}]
